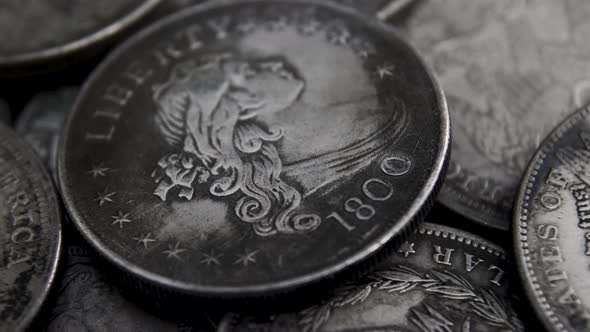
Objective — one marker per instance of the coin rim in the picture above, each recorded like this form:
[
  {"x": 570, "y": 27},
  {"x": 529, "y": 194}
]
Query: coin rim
[
  {"x": 77, "y": 45},
  {"x": 430, "y": 187},
  {"x": 533, "y": 289},
  {"x": 53, "y": 213}
]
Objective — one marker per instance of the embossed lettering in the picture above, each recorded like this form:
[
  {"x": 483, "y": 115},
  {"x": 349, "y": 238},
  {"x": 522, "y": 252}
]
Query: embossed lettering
[
  {"x": 137, "y": 73},
  {"x": 220, "y": 27},
  {"x": 361, "y": 211},
  {"x": 548, "y": 232},
  {"x": 118, "y": 94},
  {"x": 554, "y": 275},
  {"x": 106, "y": 114},
  {"x": 16, "y": 256},
  {"x": 22, "y": 234},
  {"x": 498, "y": 276},
  {"x": 470, "y": 263},
  {"x": 446, "y": 257},
  {"x": 550, "y": 200},
  {"x": 101, "y": 137},
  {"x": 375, "y": 195},
  {"x": 341, "y": 221},
  {"x": 192, "y": 35},
  {"x": 551, "y": 254},
  {"x": 569, "y": 297}
]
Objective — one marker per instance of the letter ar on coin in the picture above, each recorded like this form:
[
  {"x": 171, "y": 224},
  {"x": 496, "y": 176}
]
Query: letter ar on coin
[
  {"x": 40, "y": 123},
  {"x": 440, "y": 279},
  {"x": 30, "y": 228},
  {"x": 551, "y": 228},
  {"x": 227, "y": 152},
  {"x": 37, "y": 34},
  {"x": 511, "y": 70}
]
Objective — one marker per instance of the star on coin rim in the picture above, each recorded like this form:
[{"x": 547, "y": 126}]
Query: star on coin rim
[
  {"x": 403, "y": 227},
  {"x": 53, "y": 212},
  {"x": 524, "y": 262},
  {"x": 81, "y": 43}
]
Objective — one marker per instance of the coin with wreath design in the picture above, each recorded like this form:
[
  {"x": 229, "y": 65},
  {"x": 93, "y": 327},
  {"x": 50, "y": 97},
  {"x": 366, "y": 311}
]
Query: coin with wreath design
[
  {"x": 224, "y": 151},
  {"x": 440, "y": 280}
]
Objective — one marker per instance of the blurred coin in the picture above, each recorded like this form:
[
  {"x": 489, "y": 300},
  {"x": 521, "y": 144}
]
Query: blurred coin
[
  {"x": 441, "y": 279},
  {"x": 40, "y": 123},
  {"x": 510, "y": 70},
  {"x": 5, "y": 115},
  {"x": 551, "y": 225},
  {"x": 36, "y": 32},
  {"x": 224, "y": 152},
  {"x": 88, "y": 301},
  {"x": 30, "y": 231}
]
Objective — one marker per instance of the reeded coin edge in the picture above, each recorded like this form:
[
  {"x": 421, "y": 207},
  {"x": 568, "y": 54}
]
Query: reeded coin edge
[
  {"x": 81, "y": 43},
  {"x": 524, "y": 264},
  {"x": 470, "y": 208},
  {"x": 428, "y": 228},
  {"x": 40, "y": 176},
  {"x": 403, "y": 227}
]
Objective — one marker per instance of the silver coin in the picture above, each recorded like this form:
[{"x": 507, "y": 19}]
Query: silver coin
[
  {"x": 35, "y": 32},
  {"x": 41, "y": 121},
  {"x": 30, "y": 229},
  {"x": 441, "y": 279},
  {"x": 88, "y": 301},
  {"x": 224, "y": 152},
  {"x": 551, "y": 234},
  {"x": 511, "y": 70}
]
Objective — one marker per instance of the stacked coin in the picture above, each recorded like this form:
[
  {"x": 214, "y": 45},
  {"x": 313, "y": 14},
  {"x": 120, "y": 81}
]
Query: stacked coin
[{"x": 267, "y": 165}]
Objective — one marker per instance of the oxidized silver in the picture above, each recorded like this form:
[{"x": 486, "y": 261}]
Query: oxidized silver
[
  {"x": 511, "y": 70},
  {"x": 441, "y": 279},
  {"x": 41, "y": 122},
  {"x": 224, "y": 152},
  {"x": 30, "y": 228},
  {"x": 38, "y": 32},
  {"x": 551, "y": 234}
]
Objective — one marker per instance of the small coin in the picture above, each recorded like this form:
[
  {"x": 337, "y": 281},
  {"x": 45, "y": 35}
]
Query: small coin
[
  {"x": 511, "y": 71},
  {"x": 38, "y": 31},
  {"x": 5, "y": 115},
  {"x": 40, "y": 123},
  {"x": 440, "y": 279},
  {"x": 30, "y": 231},
  {"x": 551, "y": 234},
  {"x": 224, "y": 152},
  {"x": 88, "y": 301}
]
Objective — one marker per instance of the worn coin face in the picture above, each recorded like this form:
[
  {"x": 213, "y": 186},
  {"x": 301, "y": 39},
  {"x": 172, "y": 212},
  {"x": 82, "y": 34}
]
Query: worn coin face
[
  {"x": 441, "y": 279},
  {"x": 551, "y": 230},
  {"x": 511, "y": 70},
  {"x": 30, "y": 231},
  {"x": 87, "y": 301},
  {"x": 36, "y": 31},
  {"x": 40, "y": 123},
  {"x": 225, "y": 152}
]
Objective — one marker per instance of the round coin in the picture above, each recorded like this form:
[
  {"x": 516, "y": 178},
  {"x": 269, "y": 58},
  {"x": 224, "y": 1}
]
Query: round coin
[
  {"x": 40, "y": 123},
  {"x": 224, "y": 152},
  {"x": 439, "y": 280},
  {"x": 552, "y": 240},
  {"x": 35, "y": 32},
  {"x": 511, "y": 70},
  {"x": 30, "y": 231}
]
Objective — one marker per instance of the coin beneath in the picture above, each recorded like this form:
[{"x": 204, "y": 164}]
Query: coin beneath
[
  {"x": 88, "y": 301},
  {"x": 31, "y": 233},
  {"x": 37, "y": 31},
  {"x": 41, "y": 121},
  {"x": 511, "y": 71},
  {"x": 439, "y": 279},
  {"x": 224, "y": 152},
  {"x": 551, "y": 234}
]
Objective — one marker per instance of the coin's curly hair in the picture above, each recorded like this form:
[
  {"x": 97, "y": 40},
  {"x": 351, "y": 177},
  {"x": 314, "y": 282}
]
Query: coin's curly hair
[{"x": 204, "y": 109}]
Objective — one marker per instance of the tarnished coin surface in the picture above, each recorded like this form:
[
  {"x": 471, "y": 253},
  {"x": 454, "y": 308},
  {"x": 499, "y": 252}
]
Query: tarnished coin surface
[
  {"x": 441, "y": 279},
  {"x": 551, "y": 215},
  {"x": 37, "y": 31},
  {"x": 225, "y": 152},
  {"x": 30, "y": 229},
  {"x": 88, "y": 301},
  {"x": 41, "y": 121},
  {"x": 511, "y": 70}
]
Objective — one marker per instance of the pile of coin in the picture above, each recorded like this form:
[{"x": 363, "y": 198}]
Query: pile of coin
[{"x": 278, "y": 165}]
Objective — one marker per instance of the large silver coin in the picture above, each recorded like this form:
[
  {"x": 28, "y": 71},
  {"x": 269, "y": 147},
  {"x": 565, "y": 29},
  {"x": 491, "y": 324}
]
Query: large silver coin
[
  {"x": 441, "y": 279},
  {"x": 41, "y": 122},
  {"x": 551, "y": 216},
  {"x": 30, "y": 228},
  {"x": 35, "y": 32},
  {"x": 511, "y": 70},
  {"x": 225, "y": 151}
]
